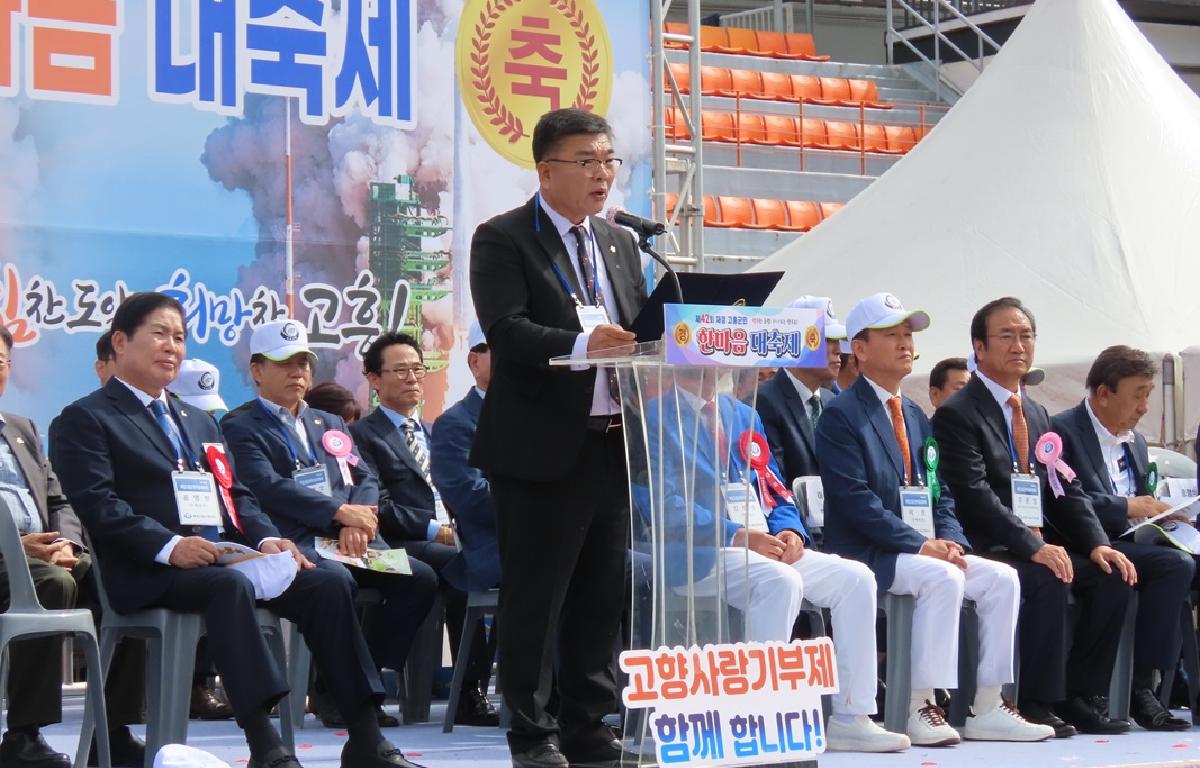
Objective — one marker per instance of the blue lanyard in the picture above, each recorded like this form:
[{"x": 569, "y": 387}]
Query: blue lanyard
[
  {"x": 287, "y": 438},
  {"x": 595, "y": 276}
]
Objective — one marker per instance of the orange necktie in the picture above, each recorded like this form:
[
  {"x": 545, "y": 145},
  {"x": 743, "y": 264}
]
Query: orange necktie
[
  {"x": 1020, "y": 431},
  {"x": 896, "y": 407}
]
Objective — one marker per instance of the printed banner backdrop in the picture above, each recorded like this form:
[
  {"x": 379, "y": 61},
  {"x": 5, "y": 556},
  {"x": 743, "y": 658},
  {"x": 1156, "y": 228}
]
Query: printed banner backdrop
[{"x": 144, "y": 147}]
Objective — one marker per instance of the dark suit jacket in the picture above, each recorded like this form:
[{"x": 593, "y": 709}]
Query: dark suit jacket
[
  {"x": 266, "y": 466},
  {"x": 789, "y": 430},
  {"x": 467, "y": 495},
  {"x": 1081, "y": 451},
  {"x": 862, "y": 471},
  {"x": 978, "y": 465},
  {"x": 52, "y": 505},
  {"x": 115, "y": 465},
  {"x": 534, "y": 418},
  {"x": 406, "y": 504}
]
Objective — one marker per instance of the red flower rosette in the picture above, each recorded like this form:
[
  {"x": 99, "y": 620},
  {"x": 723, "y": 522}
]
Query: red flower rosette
[
  {"x": 214, "y": 453},
  {"x": 753, "y": 447}
]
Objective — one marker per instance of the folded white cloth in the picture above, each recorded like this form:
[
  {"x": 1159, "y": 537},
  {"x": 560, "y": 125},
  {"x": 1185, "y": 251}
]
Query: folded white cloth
[
  {"x": 271, "y": 574},
  {"x": 183, "y": 756}
]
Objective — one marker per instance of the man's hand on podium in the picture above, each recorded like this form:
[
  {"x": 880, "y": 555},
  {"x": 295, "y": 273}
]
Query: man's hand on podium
[{"x": 612, "y": 339}]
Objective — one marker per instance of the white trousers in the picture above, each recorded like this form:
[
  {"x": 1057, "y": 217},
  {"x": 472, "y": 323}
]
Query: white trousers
[
  {"x": 939, "y": 588},
  {"x": 776, "y": 590}
]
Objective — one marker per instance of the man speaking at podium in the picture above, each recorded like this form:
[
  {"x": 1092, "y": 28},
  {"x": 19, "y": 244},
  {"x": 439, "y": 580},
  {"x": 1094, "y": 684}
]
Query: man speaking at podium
[{"x": 551, "y": 279}]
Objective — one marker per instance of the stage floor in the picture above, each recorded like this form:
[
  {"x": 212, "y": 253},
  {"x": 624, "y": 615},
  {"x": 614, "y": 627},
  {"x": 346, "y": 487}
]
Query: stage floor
[{"x": 485, "y": 747}]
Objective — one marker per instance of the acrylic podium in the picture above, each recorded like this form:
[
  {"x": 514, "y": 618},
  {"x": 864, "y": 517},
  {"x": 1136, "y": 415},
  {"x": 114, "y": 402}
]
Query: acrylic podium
[{"x": 689, "y": 454}]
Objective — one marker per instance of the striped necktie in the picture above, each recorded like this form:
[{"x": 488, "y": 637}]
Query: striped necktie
[{"x": 418, "y": 451}]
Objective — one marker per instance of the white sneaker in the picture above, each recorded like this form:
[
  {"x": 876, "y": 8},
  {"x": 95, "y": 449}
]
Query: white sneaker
[
  {"x": 861, "y": 734},
  {"x": 1004, "y": 723},
  {"x": 927, "y": 727}
]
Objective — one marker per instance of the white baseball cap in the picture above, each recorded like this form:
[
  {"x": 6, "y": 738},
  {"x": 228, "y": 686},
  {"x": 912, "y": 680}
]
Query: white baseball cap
[
  {"x": 183, "y": 756},
  {"x": 834, "y": 330},
  {"x": 198, "y": 384},
  {"x": 882, "y": 310},
  {"x": 475, "y": 335},
  {"x": 280, "y": 340}
]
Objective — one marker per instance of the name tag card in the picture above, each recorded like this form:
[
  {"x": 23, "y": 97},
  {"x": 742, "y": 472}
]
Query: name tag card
[
  {"x": 1027, "y": 499},
  {"x": 742, "y": 506},
  {"x": 814, "y": 497},
  {"x": 591, "y": 316},
  {"x": 314, "y": 478},
  {"x": 916, "y": 507},
  {"x": 439, "y": 509},
  {"x": 196, "y": 499}
]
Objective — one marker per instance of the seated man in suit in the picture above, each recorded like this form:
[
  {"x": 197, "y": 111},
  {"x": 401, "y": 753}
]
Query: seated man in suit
[
  {"x": 884, "y": 505},
  {"x": 122, "y": 452},
  {"x": 411, "y": 512},
  {"x": 1010, "y": 512},
  {"x": 1111, "y": 461},
  {"x": 465, "y": 488},
  {"x": 60, "y": 566},
  {"x": 782, "y": 569},
  {"x": 310, "y": 486},
  {"x": 792, "y": 400},
  {"x": 946, "y": 378}
]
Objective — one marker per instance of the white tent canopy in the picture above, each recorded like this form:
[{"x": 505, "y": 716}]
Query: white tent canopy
[{"x": 1068, "y": 175}]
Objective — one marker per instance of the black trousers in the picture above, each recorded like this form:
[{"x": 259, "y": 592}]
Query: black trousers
[
  {"x": 406, "y": 603},
  {"x": 1164, "y": 578},
  {"x": 562, "y": 548},
  {"x": 438, "y": 556},
  {"x": 1057, "y": 663},
  {"x": 320, "y": 602},
  {"x": 35, "y": 666}
]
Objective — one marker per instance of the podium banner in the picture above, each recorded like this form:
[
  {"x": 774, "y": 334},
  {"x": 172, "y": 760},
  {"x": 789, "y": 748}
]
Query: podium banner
[{"x": 744, "y": 337}]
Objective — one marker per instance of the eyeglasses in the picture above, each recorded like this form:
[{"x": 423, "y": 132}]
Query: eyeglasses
[
  {"x": 5, "y": 363},
  {"x": 1007, "y": 339},
  {"x": 418, "y": 371},
  {"x": 591, "y": 165}
]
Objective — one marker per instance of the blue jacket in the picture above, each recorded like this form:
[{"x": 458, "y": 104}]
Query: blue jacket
[
  {"x": 862, "y": 471},
  {"x": 789, "y": 430},
  {"x": 1081, "y": 451},
  {"x": 467, "y": 495},
  {"x": 667, "y": 472},
  {"x": 266, "y": 465}
]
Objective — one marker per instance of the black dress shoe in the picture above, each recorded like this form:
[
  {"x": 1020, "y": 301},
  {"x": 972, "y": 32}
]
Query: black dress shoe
[
  {"x": 385, "y": 754},
  {"x": 1149, "y": 713},
  {"x": 1088, "y": 719},
  {"x": 384, "y": 719},
  {"x": 22, "y": 749},
  {"x": 279, "y": 757},
  {"x": 605, "y": 754},
  {"x": 206, "y": 704},
  {"x": 545, "y": 755},
  {"x": 1041, "y": 714},
  {"x": 126, "y": 749},
  {"x": 475, "y": 709},
  {"x": 1100, "y": 704}
]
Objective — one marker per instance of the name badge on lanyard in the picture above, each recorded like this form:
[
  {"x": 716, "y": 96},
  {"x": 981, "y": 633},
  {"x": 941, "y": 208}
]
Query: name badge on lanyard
[
  {"x": 439, "y": 509},
  {"x": 196, "y": 498},
  {"x": 314, "y": 478},
  {"x": 916, "y": 508},
  {"x": 1027, "y": 499},
  {"x": 591, "y": 316},
  {"x": 743, "y": 506}
]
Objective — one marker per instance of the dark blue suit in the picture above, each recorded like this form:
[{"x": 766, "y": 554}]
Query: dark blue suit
[
  {"x": 789, "y": 430},
  {"x": 679, "y": 425},
  {"x": 862, "y": 471},
  {"x": 1164, "y": 573},
  {"x": 257, "y": 441},
  {"x": 115, "y": 463},
  {"x": 467, "y": 495}
]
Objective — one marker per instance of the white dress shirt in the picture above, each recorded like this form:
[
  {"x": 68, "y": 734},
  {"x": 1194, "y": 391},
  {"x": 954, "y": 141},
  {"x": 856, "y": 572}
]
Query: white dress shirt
[
  {"x": 294, "y": 423},
  {"x": 1112, "y": 448},
  {"x": 804, "y": 392},
  {"x": 602, "y": 404},
  {"x": 399, "y": 420},
  {"x": 884, "y": 396}
]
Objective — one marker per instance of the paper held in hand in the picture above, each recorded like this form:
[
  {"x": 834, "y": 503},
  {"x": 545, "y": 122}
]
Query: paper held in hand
[
  {"x": 379, "y": 560},
  {"x": 1184, "y": 508}
]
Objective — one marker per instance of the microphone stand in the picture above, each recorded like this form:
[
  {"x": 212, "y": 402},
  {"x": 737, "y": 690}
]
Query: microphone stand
[{"x": 644, "y": 245}]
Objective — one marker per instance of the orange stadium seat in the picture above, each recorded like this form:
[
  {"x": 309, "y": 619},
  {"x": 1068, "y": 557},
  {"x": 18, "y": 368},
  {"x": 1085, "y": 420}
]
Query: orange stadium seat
[
  {"x": 769, "y": 213},
  {"x": 751, "y": 129},
  {"x": 716, "y": 81},
  {"x": 900, "y": 138},
  {"x": 774, "y": 44},
  {"x": 736, "y": 212},
  {"x": 716, "y": 40},
  {"x": 777, "y": 86},
  {"x": 676, "y": 125},
  {"x": 806, "y": 88},
  {"x": 875, "y": 139},
  {"x": 812, "y": 132},
  {"x": 675, "y": 28},
  {"x": 866, "y": 93},
  {"x": 682, "y": 75},
  {"x": 840, "y": 135},
  {"x": 712, "y": 216},
  {"x": 743, "y": 40},
  {"x": 835, "y": 90},
  {"x": 717, "y": 126},
  {"x": 800, "y": 44},
  {"x": 780, "y": 130},
  {"x": 746, "y": 82},
  {"x": 828, "y": 209},
  {"x": 803, "y": 215}
]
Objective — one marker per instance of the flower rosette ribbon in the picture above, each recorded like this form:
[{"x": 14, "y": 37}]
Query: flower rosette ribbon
[
  {"x": 932, "y": 458},
  {"x": 753, "y": 446},
  {"x": 1049, "y": 452},
  {"x": 339, "y": 445},
  {"x": 214, "y": 453},
  {"x": 1152, "y": 479}
]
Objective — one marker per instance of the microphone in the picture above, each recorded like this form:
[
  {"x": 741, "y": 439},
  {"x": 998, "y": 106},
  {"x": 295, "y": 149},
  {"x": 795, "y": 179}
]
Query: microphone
[{"x": 643, "y": 227}]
